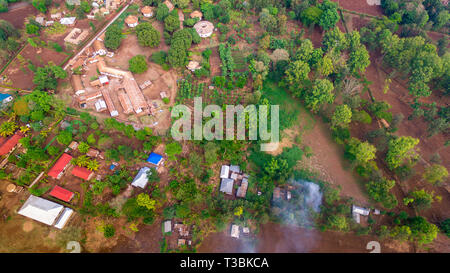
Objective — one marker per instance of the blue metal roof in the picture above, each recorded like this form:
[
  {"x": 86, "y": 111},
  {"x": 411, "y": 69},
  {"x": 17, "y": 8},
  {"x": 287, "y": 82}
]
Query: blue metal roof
[
  {"x": 4, "y": 96},
  {"x": 154, "y": 158}
]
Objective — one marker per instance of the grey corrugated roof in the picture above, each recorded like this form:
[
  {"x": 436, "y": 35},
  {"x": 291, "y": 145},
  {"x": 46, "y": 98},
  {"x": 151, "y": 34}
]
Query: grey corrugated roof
[{"x": 226, "y": 185}]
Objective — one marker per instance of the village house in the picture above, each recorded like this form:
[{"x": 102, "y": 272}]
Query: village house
[
  {"x": 68, "y": 21},
  {"x": 125, "y": 101},
  {"x": 100, "y": 105},
  {"x": 167, "y": 226},
  {"x": 5, "y": 98},
  {"x": 56, "y": 16},
  {"x": 85, "y": 98},
  {"x": 82, "y": 173},
  {"x": 8, "y": 145},
  {"x": 357, "y": 212},
  {"x": 93, "y": 152},
  {"x": 183, "y": 229},
  {"x": 131, "y": 21},
  {"x": 193, "y": 65},
  {"x": 155, "y": 159},
  {"x": 77, "y": 84},
  {"x": 147, "y": 11},
  {"x": 45, "y": 211},
  {"x": 235, "y": 231},
  {"x": 196, "y": 14},
  {"x": 141, "y": 179},
  {"x": 204, "y": 28},
  {"x": 40, "y": 20},
  {"x": 73, "y": 145},
  {"x": 62, "y": 194},
  {"x": 60, "y": 166},
  {"x": 109, "y": 103},
  {"x": 99, "y": 48}
]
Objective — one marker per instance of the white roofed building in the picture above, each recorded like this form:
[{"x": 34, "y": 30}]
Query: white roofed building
[
  {"x": 65, "y": 216},
  {"x": 141, "y": 178},
  {"x": 225, "y": 171},
  {"x": 41, "y": 210},
  {"x": 235, "y": 231}
]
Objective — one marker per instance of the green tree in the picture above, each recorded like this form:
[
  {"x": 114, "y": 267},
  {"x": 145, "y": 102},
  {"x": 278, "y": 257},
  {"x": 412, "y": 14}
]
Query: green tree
[
  {"x": 297, "y": 73},
  {"x": 113, "y": 37},
  {"x": 162, "y": 12},
  {"x": 138, "y": 64},
  {"x": 338, "y": 222},
  {"x": 173, "y": 149},
  {"x": 46, "y": 78},
  {"x": 311, "y": 16},
  {"x": 64, "y": 137},
  {"x": 342, "y": 116},
  {"x": 435, "y": 174},
  {"x": 41, "y": 5},
  {"x": 171, "y": 23},
  {"x": 322, "y": 92},
  {"x": 83, "y": 147},
  {"x": 329, "y": 17},
  {"x": 361, "y": 152},
  {"x": 85, "y": 6},
  {"x": 421, "y": 199},
  {"x": 445, "y": 227},
  {"x": 422, "y": 231},
  {"x": 359, "y": 60},
  {"x": 400, "y": 149},
  {"x": 147, "y": 35},
  {"x": 109, "y": 231},
  {"x": 32, "y": 29},
  {"x": 145, "y": 201},
  {"x": 8, "y": 128}
]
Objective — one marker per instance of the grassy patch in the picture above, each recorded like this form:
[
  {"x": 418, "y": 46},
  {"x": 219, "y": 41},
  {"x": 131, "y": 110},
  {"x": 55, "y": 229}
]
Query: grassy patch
[{"x": 290, "y": 108}]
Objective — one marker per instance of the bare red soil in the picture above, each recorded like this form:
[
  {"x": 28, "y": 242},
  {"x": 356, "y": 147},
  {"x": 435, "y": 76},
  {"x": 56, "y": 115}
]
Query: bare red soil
[{"x": 360, "y": 6}]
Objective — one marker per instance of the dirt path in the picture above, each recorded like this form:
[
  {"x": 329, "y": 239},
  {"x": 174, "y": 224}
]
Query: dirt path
[{"x": 327, "y": 159}]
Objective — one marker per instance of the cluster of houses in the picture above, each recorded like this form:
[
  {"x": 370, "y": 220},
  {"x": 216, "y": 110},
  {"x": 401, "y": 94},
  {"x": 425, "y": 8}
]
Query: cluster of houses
[
  {"x": 230, "y": 176},
  {"x": 236, "y": 231},
  {"x": 182, "y": 229},
  {"x": 98, "y": 94}
]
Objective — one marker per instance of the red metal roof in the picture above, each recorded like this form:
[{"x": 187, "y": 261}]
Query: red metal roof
[
  {"x": 61, "y": 193},
  {"x": 59, "y": 166},
  {"x": 81, "y": 172},
  {"x": 9, "y": 144}
]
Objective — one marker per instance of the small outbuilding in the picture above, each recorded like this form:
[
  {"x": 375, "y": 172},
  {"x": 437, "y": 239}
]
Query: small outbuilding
[
  {"x": 5, "y": 98},
  {"x": 155, "y": 159},
  {"x": 204, "y": 28},
  {"x": 196, "y": 14},
  {"x": 131, "y": 21},
  {"x": 225, "y": 171},
  {"x": 147, "y": 11},
  {"x": 167, "y": 226},
  {"x": 235, "y": 231}
]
